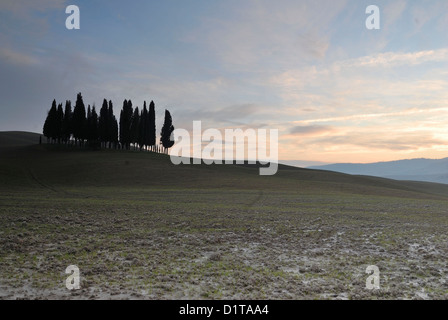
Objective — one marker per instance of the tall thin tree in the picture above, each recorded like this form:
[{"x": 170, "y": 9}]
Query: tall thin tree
[
  {"x": 94, "y": 135},
  {"x": 67, "y": 126},
  {"x": 58, "y": 123},
  {"x": 79, "y": 120},
  {"x": 135, "y": 122},
  {"x": 167, "y": 130},
  {"x": 103, "y": 124},
  {"x": 143, "y": 128},
  {"x": 112, "y": 126},
  {"x": 152, "y": 126},
  {"x": 49, "y": 125},
  {"x": 125, "y": 124}
]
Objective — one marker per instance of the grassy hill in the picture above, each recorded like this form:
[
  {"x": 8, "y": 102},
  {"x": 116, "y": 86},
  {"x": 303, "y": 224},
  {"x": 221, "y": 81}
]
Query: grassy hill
[
  {"x": 28, "y": 165},
  {"x": 18, "y": 138},
  {"x": 139, "y": 227},
  {"x": 60, "y": 168}
]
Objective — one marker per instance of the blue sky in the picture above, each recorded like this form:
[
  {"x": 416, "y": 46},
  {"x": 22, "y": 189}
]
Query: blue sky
[{"x": 336, "y": 91}]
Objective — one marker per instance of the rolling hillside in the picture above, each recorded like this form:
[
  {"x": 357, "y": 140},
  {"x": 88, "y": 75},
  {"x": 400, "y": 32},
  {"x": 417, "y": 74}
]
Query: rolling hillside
[
  {"x": 139, "y": 227},
  {"x": 59, "y": 168},
  {"x": 18, "y": 138}
]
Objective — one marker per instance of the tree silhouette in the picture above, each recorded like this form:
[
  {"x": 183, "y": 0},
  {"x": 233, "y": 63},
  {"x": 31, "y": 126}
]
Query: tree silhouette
[
  {"x": 135, "y": 127},
  {"x": 46, "y": 129},
  {"x": 152, "y": 126},
  {"x": 92, "y": 126},
  {"x": 143, "y": 128},
  {"x": 134, "y": 130},
  {"x": 67, "y": 126},
  {"x": 167, "y": 130},
  {"x": 125, "y": 124},
  {"x": 112, "y": 124},
  {"x": 50, "y": 122},
  {"x": 79, "y": 120},
  {"x": 88, "y": 123},
  {"x": 114, "y": 132},
  {"x": 104, "y": 124},
  {"x": 58, "y": 123}
]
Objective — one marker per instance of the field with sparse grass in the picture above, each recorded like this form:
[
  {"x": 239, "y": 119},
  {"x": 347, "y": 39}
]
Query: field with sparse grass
[{"x": 139, "y": 227}]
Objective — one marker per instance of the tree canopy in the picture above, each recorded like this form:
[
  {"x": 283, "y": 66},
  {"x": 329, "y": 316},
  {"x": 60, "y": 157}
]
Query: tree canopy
[{"x": 136, "y": 127}]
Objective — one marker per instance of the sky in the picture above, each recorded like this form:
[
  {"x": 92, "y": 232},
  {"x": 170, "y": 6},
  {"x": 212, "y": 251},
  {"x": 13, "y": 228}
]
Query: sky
[{"x": 335, "y": 90}]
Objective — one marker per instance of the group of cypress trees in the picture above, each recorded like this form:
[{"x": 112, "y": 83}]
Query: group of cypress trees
[{"x": 136, "y": 129}]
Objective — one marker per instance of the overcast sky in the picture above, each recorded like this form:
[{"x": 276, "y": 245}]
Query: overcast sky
[{"x": 336, "y": 91}]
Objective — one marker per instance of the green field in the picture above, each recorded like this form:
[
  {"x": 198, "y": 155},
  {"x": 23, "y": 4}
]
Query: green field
[{"x": 139, "y": 227}]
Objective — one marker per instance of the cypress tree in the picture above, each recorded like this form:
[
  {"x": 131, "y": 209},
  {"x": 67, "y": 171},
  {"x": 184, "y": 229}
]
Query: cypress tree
[
  {"x": 122, "y": 121},
  {"x": 89, "y": 124},
  {"x": 94, "y": 135},
  {"x": 49, "y": 125},
  {"x": 103, "y": 124},
  {"x": 167, "y": 130},
  {"x": 112, "y": 125},
  {"x": 79, "y": 120},
  {"x": 125, "y": 124},
  {"x": 114, "y": 131},
  {"x": 135, "y": 124},
  {"x": 46, "y": 129},
  {"x": 143, "y": 127},
  {"x": 67, "y": 127},
  {"x": 58, "y": 123},
  {"x": 92, "y": 127},
  {"x": 152, "y": 125}
]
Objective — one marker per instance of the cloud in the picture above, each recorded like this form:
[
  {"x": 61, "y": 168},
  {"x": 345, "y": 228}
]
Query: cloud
[
  {"x": 17, "y": 58},
  {"x": 262, "y": 31},
  {"x": 313, "y": 45},
  {"x": 30, "y": 82},
  {"x": 393, "y": 141},
  {"x": 234, "y": 115},
  {"x": 25, "y": 22},
  {"x": 24, "y": 7},
  {"x": 394, "y": 59},
  {"x": 311, "y": 130},
  {"x": 392, "y": 12},
  {"x": 405, "y": 113},
  {"x": 422, "y": 14},
  {"x": 381, "y": 85}
]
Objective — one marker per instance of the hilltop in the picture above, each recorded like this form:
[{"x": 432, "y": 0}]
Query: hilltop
[
  {"x": 18, "y": 138},
  {"x": 61, "y": 167}
]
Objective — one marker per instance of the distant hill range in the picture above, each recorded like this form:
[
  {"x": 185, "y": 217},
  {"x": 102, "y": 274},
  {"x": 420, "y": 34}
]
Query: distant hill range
[{"x": 415, "y": 169}]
